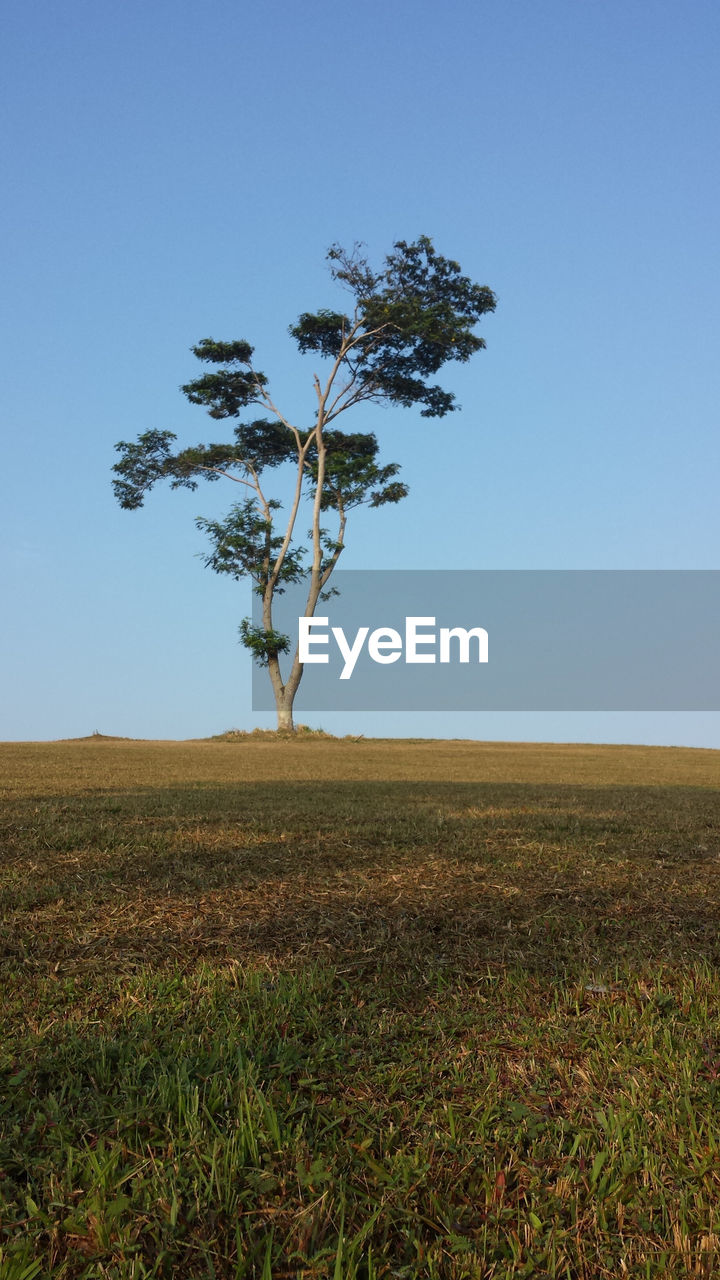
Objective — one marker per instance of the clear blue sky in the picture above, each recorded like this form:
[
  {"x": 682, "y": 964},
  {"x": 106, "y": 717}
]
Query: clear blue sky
[{"x": 175, "y": 171}]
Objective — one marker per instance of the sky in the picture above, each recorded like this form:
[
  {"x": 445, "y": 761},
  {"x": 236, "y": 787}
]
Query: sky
[{"x": 176, "y": 171}]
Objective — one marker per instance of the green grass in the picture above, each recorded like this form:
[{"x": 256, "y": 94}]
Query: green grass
[{"x": 354, "y": 1009}]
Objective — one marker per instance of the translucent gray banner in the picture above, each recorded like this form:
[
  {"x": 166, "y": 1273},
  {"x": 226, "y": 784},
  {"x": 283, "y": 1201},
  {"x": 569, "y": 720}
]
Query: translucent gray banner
[{"x": 518, "y": 640}]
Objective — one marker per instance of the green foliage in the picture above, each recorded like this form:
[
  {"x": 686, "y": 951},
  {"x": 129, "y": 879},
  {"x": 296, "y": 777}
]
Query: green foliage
[
  {"x": 265, "y": 443},
  {"x": 244, "y": 545},
  {"x": 212, "y": 352},
  {"x": 263, "y": 643},
  {"x": 323, "y": 332},
  {"x": 352, "y": 477},
  {"x": 415, "y": 316},
  {"x": 142, "y": 463},
  {"x": 224, "y": 394}
]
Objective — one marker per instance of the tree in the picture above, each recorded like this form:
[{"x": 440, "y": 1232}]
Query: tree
[{"x": 406, "y": 321}]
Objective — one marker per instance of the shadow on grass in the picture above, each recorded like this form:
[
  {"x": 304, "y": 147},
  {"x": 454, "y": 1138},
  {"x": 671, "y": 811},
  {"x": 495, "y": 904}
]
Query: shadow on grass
[{"x": 402, "y": 876}]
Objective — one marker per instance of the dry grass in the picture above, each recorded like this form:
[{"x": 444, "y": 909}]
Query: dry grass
[{"x": 484, "y": 979}]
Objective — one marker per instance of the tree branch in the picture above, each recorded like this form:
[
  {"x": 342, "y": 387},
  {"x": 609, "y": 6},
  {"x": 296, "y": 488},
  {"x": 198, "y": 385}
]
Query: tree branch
[
  {"x": 302, "y": 455},
  {"x": 217, "y": 471},
  {"x": 340, "y": 542}
]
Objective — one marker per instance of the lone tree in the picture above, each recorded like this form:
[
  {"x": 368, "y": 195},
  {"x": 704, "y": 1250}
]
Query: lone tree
[{"x": 405, "y": 322}]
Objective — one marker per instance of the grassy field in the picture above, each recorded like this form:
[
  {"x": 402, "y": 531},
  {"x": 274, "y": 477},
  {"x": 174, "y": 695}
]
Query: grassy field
[{"x": 356, "y": 1009}]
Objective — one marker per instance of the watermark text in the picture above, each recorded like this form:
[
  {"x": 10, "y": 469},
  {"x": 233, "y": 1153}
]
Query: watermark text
[{"x": 420, "y": 643}]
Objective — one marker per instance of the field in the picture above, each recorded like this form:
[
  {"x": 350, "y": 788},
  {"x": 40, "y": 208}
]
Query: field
[{"x": 358, "y": 1009}]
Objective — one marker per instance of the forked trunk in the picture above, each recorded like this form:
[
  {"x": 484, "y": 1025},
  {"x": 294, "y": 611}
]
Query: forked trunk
[{"x": 284, "y": 692}]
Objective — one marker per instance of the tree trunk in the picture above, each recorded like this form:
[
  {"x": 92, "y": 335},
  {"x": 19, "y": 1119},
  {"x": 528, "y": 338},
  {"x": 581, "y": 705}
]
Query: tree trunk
[
  {"x": 284, "y": 714},
  {"x": 284, "y": 693}
]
